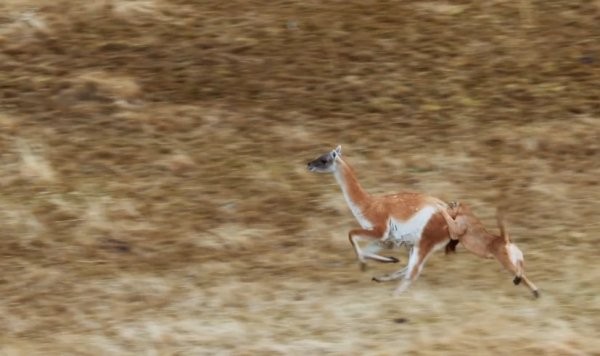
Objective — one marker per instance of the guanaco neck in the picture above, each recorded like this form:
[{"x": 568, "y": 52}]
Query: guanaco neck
[{"x": 356, "y": 197}]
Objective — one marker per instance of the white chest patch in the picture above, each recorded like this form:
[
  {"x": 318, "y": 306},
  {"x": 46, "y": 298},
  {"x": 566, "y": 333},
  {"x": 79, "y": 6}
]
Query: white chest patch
[{"x": 409, "y": 232}]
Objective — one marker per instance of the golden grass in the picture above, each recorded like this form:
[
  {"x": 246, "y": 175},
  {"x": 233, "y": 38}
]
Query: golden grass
[{"x": 155, "y": 198}]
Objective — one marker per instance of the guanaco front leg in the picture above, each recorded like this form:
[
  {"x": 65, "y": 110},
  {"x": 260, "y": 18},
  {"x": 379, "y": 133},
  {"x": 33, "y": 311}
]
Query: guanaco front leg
[
  {"x": 410, "y": 273},
  {"x": 394, "y": 275},
  {"x": 370, "y": 253}
]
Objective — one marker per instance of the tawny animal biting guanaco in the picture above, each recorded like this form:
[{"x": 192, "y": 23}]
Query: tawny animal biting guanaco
[
  {"x": 468, "y": 229},
  {"x": 405, "y": 218}
]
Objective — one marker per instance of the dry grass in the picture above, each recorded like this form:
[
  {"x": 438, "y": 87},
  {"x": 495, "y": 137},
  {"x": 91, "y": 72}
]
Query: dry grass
[{"x": 154, "y": 197}]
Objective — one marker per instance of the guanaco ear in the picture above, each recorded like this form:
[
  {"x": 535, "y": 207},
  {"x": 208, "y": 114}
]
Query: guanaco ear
[{"x": 338, "y": 150}]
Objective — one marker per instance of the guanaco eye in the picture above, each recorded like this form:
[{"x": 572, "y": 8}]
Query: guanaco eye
[{"x": 323, "y": 161}]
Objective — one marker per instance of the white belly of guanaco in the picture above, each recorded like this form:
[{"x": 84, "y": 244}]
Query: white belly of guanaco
[{"x": 409, "y": 232}]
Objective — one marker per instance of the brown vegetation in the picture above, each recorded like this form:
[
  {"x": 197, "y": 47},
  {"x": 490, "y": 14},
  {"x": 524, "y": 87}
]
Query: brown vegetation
[{"x": 155, "y": 199}]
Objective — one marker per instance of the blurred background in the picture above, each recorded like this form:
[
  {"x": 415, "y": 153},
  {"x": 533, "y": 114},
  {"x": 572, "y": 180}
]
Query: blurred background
[{"x": 154, "y": 197}]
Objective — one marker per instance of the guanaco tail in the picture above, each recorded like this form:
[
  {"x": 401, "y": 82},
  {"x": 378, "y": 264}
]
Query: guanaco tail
[{"x": 406, "y": 219}]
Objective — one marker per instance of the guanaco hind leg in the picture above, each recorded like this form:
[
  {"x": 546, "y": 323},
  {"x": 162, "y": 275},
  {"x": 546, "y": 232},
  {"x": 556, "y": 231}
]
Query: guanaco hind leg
[
  {"x": 417, "y": 260},
  {"x": 413, "y": 269},
  {"x": 391, "y": 276}
]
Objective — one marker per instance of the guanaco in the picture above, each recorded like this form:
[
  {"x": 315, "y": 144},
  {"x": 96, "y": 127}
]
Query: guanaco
[
  {"x": 407, "y": 219},
  {"x": 468, "y": 229}
]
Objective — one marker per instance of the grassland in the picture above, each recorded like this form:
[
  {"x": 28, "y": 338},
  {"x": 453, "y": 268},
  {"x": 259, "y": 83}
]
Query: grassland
[{"x": 154, "y": 198}]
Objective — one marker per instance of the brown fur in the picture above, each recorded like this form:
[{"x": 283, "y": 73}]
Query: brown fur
[
  {"x": 468, "y": 229},
  {"x": 375, "y": 214},
  {"x": 378, "y": 210},
  {"x": 435, "y": 232}
]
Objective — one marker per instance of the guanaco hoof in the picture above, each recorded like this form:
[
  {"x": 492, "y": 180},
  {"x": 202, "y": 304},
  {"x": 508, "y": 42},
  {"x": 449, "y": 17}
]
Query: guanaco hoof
[
  {"x": 393, "y": 259},
  {"x": 536, "y": 294},
  {"x": 400, "y": 320},
  {"x": 363, "y": 266},
  {"x": 375, "y": 279},
  {"x": 517, "y": 280}
]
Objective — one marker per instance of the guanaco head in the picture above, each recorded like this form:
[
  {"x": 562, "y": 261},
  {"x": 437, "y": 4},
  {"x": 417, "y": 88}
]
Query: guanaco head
[{"x": 325, "y": 163}]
